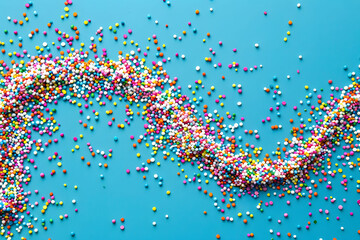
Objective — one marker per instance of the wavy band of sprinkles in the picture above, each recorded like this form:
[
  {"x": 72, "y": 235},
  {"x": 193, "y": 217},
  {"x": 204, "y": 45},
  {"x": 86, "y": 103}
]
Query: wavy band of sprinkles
[{"x": 171, "y": 122}]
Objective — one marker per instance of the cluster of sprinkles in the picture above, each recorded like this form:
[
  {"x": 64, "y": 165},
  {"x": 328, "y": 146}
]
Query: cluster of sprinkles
[
  {"x": 171, "y": 121},
  {"x": 172, "y": 124}
]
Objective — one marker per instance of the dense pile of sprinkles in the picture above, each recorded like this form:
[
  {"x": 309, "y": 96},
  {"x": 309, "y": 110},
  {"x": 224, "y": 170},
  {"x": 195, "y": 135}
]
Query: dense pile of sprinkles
[
  {"x": 28, "y": 89},
  {"x": 172, "y": 123}
]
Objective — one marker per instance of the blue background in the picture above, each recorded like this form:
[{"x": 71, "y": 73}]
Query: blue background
[{"x": 324, "y": 33}]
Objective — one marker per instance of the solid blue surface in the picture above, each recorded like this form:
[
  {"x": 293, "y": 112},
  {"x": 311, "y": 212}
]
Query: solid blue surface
[{"x": 324, "y": 33}]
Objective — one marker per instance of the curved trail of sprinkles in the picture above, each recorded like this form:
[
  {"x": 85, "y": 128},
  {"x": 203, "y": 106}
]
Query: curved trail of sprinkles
[{"x": 171, "y": 121}]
